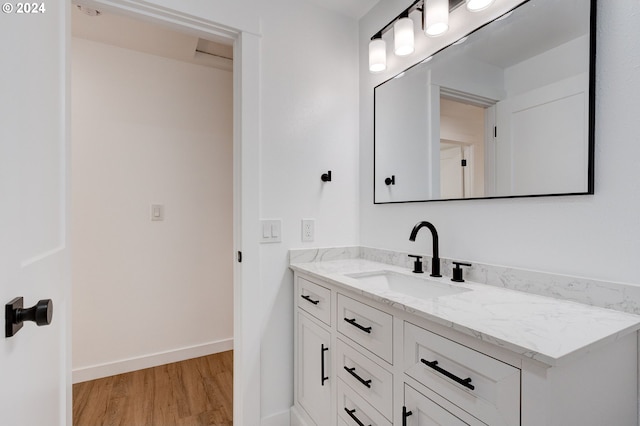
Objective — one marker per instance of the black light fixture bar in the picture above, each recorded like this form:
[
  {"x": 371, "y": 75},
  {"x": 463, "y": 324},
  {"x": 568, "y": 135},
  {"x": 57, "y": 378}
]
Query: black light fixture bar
[{"x": 416, "y": 5}]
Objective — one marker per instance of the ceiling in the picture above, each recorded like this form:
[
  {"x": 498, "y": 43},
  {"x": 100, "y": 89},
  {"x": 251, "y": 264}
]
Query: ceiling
[
  {"x": 150, "y": 38},
  {"x": 353, "y": 8}
]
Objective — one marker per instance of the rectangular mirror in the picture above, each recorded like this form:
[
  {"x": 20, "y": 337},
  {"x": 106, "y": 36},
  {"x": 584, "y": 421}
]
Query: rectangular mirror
[{"x": 507, "y": 111}]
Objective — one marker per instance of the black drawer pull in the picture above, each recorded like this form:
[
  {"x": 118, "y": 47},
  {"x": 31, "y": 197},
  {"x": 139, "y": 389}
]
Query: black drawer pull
[
  {"x": 322, "y": 351},
  {"x": 405, "y": 414},
  {"x": 464, "y": 382},
  {"x": 352, "y": 371},
  {"x": 353, "y": 322},
  {"x": 353, "y": 416},
  {"x": 308, "y": 299}
]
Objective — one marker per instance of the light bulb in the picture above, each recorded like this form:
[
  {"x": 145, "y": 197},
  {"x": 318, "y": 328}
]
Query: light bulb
[
  {"x": 377, "y": 55},
  {"x": 436, "y": 17},
  {"x": 478, "y": 5},
  {"x": 403, "y": 37}
]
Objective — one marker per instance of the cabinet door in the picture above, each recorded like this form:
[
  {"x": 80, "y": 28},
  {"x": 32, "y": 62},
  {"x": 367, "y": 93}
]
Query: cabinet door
[
  {"x": 314, "y": 370},
  {"x": 419, "y": 410}
]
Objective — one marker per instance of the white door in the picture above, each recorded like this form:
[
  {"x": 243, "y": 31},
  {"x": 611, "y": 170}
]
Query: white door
[
  {"x": 542, "y": 139},
  {"x": 451, "y": 173},
  {"x": 34, "y": 366}
]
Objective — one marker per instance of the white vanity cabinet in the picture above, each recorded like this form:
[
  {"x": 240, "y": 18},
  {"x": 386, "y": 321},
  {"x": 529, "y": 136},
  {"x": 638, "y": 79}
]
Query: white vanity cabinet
[
  {"x": 313, "y": 351},
  {"x": 360, "y": 361}
]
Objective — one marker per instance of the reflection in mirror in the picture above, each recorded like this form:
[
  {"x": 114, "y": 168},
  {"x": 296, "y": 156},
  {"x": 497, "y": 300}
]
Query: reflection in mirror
[{"x": 506, "y": 113}]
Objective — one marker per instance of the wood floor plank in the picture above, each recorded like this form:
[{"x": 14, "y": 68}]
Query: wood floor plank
[{"x": 196, "y": 392}]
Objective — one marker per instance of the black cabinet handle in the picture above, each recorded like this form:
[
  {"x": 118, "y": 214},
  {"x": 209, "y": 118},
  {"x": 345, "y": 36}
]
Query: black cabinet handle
[
  {"x": 353, "y": 416},
  {"x": 464, "y": 382},
  {"x": 322, "y": 351},
  {"x": 308, "y": 299},
  {"x": 353, "y": 322},
  {"x": 405, "y": 414},
  {"x": 352, "y": 371}
]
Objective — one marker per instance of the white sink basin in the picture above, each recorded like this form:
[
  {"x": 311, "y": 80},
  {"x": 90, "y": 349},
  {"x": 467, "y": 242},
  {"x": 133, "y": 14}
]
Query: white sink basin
[{"x": 421, "y": 288}]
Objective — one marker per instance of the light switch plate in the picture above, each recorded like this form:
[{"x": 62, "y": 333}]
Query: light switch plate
[
  {"x": 271, "y": 230},
  {"x": 157, "y": 212}
]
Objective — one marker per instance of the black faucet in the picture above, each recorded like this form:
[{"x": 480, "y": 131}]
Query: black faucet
[{"x": 435, "y": 266}]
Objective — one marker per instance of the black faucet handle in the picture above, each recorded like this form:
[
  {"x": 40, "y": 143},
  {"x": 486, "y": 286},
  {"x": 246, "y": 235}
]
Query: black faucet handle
[
  {"x": 457, "y": 271},
  {"x": 417, "y": 265}
]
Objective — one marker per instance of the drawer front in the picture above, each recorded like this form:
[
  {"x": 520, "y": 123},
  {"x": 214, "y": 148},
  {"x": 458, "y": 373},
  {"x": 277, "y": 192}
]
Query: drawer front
[
  {"x": 352, "y": 408},
  {"x": 422, "y": 411},
  {"x": 368, "y": 379},
  {"x": 314, "y": 299},
  {"x": 477, "y": 383},
  {"x": 368, "y": 326}
]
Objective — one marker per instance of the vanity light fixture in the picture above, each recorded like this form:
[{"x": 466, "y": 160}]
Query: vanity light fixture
[
  {"x": 436, "y": 17},
  {"x": 435, "y": 21},
  {"x": 478, "y": 5},
  {"x": 377, "y": 54},
  {"x": 403, "y": 39}
]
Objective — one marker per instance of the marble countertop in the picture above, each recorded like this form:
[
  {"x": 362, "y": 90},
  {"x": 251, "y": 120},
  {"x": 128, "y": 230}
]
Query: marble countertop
[{"x": 548, "y": 330}]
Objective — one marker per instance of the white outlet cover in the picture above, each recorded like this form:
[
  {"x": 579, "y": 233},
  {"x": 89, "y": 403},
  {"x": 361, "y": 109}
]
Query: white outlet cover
[{"x": 308, "y": 229}]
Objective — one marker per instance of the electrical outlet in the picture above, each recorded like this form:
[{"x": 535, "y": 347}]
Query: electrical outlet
[{"x": 308, "y": 230}]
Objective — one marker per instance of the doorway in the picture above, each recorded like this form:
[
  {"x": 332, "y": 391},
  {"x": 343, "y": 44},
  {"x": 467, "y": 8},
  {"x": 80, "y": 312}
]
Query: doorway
[
  {"x": 463, "y": 147},
  {"x": 153, "y": 193}
]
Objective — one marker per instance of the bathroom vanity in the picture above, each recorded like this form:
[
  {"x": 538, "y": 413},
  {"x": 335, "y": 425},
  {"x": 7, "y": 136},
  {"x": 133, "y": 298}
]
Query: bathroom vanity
[{"x": 377, "y": 345}]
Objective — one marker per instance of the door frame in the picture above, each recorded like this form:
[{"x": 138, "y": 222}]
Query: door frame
[{"x": 242, "y": 26}]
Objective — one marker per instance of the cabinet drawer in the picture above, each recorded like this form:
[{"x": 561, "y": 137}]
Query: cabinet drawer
[
  {"x": 477, "y": 383},
  {"x": 368, "y": 379},
  {"x": 352, "y": 408},
  {"x": 422, "y": 411},
  {"x": 314, "y": 299},
  {"x": 368, "y": 326}
]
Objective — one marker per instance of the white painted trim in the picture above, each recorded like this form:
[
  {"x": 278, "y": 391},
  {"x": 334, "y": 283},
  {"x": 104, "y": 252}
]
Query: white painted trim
[
  {"x": 279, "y": 419},
  {"x": 247, "y": 281},
  {"x": 152, "y": 360},
  {"x": 232, "y": 19}
]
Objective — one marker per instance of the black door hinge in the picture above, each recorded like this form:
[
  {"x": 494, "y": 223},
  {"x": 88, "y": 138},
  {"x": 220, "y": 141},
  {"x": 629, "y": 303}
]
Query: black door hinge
[
  {"x": 495, "y": 131},
  {"x": 239, "y": 257},
  {"x": 463, "y": 163}
]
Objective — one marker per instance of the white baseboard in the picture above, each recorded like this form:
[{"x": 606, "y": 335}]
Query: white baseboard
[
  {"x": 296, "y": 419},
  {"x": 146, "y": 361},
  {"x": 279, "y": 419}
]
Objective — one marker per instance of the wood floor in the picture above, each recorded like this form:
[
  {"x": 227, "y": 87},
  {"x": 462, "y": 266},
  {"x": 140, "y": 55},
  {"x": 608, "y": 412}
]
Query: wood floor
[{"x": 193, "y": 392}]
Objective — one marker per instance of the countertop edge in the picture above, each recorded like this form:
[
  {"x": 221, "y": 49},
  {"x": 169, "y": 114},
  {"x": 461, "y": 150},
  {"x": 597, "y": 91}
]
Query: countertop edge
[{"x": 547, "y": 359}]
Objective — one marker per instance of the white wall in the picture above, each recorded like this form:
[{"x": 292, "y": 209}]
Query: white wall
[
  {"x": 149, "y": 130},
  {"x": 592, "y": 236},
  {"x": 309, "y": 125}
]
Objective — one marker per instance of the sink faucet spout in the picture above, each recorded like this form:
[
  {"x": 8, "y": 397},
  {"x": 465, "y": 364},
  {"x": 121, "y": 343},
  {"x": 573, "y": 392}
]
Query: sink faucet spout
[{"x": 435, "y": 266}]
